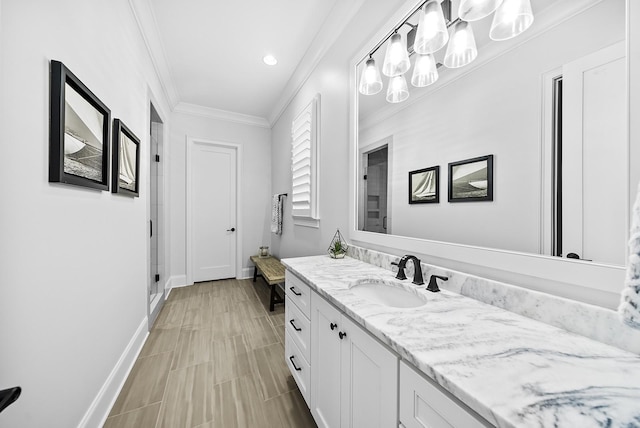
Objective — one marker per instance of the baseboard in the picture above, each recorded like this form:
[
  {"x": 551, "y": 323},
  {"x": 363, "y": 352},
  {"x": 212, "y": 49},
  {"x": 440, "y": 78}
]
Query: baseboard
[
  {"x": 247, "y": 273},
  {"x": 177, "y": 281},
  {"x": 97, "y": 413}
]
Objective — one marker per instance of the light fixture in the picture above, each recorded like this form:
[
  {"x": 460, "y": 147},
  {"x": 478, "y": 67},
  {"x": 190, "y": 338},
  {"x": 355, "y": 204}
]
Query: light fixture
[
  {"x": 425, "y": 71},
  {"x": 370, "y": 80},
  {"x": 397, "y": 90},
  {"x": 462, "y": 46},
  {"x": 396, "y": 60},
  {"x": 270, "y": 60},
  {"x": 512, "y": 18},
  {"x": 473, "y": 10},
  {"x": 431, "y": 34}
]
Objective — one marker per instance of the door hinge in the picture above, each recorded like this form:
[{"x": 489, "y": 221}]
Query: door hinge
[
  {"x": 157, "y": 277},
  {"x": 157, "y": 158}
]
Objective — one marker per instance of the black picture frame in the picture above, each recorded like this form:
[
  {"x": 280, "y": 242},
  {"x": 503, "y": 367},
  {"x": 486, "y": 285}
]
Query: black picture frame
[
  {"x": 473, "y": 180},
  {"x": 424, "y": 185},
  {"x": 79, "y": 130},
  {"x": 125, "y": 178}
]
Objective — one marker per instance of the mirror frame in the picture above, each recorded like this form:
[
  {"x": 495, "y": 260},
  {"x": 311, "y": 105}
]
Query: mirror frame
[{"x": 595, "y": 283}]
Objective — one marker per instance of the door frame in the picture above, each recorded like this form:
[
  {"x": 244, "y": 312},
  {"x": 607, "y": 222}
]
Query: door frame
[
  {"x": 191, "y": 141},
  {"x": 362, "y": 153}
]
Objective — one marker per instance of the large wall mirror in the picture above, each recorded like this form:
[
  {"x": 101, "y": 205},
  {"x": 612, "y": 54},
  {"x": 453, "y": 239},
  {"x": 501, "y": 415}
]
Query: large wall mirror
[{"x": 551, "y": 108}]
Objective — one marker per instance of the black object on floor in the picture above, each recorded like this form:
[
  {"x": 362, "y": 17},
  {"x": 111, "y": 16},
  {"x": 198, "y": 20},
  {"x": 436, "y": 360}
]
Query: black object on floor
[{"x": 8, "y": 396}]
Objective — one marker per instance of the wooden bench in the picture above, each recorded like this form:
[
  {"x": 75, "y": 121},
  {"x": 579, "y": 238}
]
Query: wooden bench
[{"x": 273, "y": 273}]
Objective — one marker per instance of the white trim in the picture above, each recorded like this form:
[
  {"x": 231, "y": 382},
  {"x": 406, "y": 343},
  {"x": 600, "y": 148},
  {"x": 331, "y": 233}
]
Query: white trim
[
  {"x": 238, "y": 234},
  {"x": 547, "y": 130},
  {"x": 147, "y": 24},
  {"x": 177, "y": 281},
  {"x": 246, "y": 273},
  {"x": 307, "y": 222},
  {"x": 99, "y": 410},
  {"x": 214, "y": 113},
  {"x": 529, "y": 270},
  {"x": 332, "y": 28}
]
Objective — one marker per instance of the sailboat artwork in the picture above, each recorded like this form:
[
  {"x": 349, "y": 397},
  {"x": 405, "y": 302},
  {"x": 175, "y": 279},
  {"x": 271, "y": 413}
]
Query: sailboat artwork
[
  {"x": 423, "y": 185},
  {"x": 471, "y": 180},
  {"x": 82, "y": 137}
]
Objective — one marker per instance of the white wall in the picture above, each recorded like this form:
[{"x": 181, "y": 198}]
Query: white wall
[
  {"x": 493, "y": 110},
  {"x": 330, "y": 79},
  {"x": 73, "y": 275},
  {"x": 256, "y": 183}
]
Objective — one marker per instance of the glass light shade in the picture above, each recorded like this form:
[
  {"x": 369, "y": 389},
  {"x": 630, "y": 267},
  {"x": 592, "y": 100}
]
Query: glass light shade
[
  {"x": 473, "y": 10},
  {"x": 370, "y": 81},
  {"x": 396, "y": 59},
  {"x": 462, "y": 48},
  {"x": 432, "y": 33},
  {"x": 397, "y": 90},
  {"x": 425, "y": 71},
  {"x": 512, "y": 18}
]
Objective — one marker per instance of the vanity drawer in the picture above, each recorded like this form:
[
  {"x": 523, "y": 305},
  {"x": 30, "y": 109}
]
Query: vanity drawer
[
  {"x": 298, "y": 366},
  {"x": 298, "y": 326},
  {"x": 299, "y": 292}
]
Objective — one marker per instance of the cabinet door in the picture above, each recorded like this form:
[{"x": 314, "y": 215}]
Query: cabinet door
[
  {"x": 424, "y": 405},
  {"x": 325, "y": 363},
  {"x": 369, "y": 380}
]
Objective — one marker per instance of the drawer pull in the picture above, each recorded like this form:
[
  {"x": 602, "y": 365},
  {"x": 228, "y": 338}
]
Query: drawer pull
[
  {"x": 294, "y": 326},
  {"x": 342, "y": 335},
  {"x": 298, "y": 369},
  {"x": 293, "y": 290},
  {"x": 333, "y": 326}
]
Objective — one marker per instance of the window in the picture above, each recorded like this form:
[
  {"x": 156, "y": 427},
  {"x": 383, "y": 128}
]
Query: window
[{"x": 304, "y": 165}]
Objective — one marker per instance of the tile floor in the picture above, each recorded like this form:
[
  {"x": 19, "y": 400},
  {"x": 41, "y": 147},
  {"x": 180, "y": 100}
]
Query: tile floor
[{"x": 214, "y": 358}]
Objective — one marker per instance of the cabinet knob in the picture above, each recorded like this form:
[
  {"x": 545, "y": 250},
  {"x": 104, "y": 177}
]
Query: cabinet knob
[
  {"x": 342, "y": 335},
  {"x": 333, "y": 326}
]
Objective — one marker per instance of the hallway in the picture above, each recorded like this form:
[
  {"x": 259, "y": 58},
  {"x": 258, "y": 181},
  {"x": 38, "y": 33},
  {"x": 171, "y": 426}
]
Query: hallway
[{"x": 214, "y": 358}]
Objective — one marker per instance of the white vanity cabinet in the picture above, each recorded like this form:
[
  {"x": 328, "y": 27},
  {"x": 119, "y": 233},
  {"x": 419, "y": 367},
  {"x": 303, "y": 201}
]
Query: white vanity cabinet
[
  {"x": 354, "y": 379},
  {"x": 298, "y": 332},
  {"x": 424, "y": 405}
]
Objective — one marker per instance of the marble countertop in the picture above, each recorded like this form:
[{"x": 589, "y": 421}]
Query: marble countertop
[{"x": 513, "y": 371}]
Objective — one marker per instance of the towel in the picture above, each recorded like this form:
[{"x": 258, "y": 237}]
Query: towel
[
  {"x": 629, "y": 309},
  {"x": 276, "y": 214}
]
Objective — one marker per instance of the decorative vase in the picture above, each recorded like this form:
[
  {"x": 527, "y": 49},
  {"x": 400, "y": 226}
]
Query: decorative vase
[{"x": 263, "y": 252}]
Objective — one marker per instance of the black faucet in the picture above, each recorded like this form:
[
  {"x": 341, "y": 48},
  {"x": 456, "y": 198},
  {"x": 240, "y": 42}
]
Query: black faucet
[
  {"x": 417, "y": 270},
  {"x": 433, "y": 283}
]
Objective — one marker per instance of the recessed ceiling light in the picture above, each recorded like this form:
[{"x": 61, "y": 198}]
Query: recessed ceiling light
[{"x": 270, "y": 60}]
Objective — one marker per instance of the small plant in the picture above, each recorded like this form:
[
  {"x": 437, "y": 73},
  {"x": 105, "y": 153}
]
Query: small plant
[{"x": 338, "y": 247}]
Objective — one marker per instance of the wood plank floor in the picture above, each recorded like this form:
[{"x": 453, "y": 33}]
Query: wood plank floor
[{"x": 214, "y": 358}]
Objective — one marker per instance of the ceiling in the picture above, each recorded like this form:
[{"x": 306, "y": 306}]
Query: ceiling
[{"x": 212, "y": 50}]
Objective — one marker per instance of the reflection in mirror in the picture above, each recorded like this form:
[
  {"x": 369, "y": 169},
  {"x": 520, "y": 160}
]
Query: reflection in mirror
[{"x": 549, "y": 105}]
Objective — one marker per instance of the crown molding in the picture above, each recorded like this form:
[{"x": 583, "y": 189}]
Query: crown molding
[
  {"x": 145, "y": 18},
  {"x": 333, "y": 26},
  {"x": 214, "y": 113}
]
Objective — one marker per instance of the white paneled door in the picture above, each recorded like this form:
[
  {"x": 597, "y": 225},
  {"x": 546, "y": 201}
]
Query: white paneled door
[
  {"x": 594, "y": 153},
  {"x": 212, "y": 212}
]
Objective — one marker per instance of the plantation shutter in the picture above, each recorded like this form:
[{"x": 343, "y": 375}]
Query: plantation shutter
[{"x": 304, "y": 171}]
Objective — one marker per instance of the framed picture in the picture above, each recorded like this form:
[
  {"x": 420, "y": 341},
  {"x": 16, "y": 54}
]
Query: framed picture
[
  {"x": 78, "y": 132},
  {"x": 125, "y": 161},
  {"x": 471, "y": 180},
  {"x": 424, "y": 185}
]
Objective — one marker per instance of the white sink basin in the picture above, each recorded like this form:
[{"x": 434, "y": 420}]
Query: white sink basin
[{"x": 394, "y": 295}]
